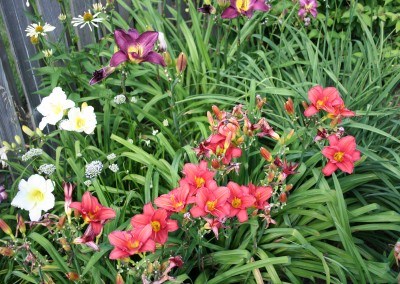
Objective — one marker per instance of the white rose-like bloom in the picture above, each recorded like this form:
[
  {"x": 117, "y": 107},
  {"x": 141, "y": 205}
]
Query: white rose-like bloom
[
  {"x": 52, "y": 107},
  {"x": 35, "y": 195},
  {"x": 80, "y": 120}
]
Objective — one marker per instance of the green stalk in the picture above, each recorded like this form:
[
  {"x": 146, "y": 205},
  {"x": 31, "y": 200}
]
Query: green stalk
[
  {"x": 218, "y": 53},
  {"x": 238, "y": 46},
  {"x": 174, "y": 108}
]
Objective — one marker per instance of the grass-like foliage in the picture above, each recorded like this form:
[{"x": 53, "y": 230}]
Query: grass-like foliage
[{"x": 235, "y": 143}]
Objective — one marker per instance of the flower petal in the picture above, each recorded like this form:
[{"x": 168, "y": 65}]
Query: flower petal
[
  {"x": 155, "y": 58},
  {"x": 346, "y": 165},
  {"x": 147, "y": 41},
  {"x": 118, "y": 58},
  {"x": 311, "y": 110},
  {"x": 229, "y": 13},
  {"x": 329, "y": 169}
]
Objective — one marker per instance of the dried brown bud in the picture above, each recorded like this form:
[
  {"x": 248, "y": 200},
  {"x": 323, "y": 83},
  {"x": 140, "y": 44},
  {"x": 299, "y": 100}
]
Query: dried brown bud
[
  {"x": 73, "y": 276},
  {"x": 6, "y": 251}
]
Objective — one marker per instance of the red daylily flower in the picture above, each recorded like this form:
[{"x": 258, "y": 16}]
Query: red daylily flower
[
  {"x": 261, "y": 194},
  {"x": 88, "y": 238},
  {"x": 244, "y": 7},
  {"x": 239, "y": 200},
  {"x": 127, "y": 243},
  {"x": 196, "y": 176},
  {"x": 341, "y": 153},
  {"x": 93, "y": 212},
  {"x": 135, "y": 47},
  {"x": 157, "y": 220},
  {"x": 176, "y": 200},
  {"x": 323, "y": 99},
  {"x": 211, "y": 200},
  {"x": 288, "y": 169}
]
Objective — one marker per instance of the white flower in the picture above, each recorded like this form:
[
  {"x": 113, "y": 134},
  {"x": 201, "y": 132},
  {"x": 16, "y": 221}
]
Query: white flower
[
  {"x": 87, "y": 182},
  {"x": 134, "y": 100},
  {"x": 162, "y": 44},
  {"x": 147, "y": 142},
  {"x": 98, "y": 7},
  {"x": 87, "y": 19},
  {"x": 27, "y": 3},
  {"x": 47, "y": 169},
  {"x": 62, "y": 17},
  {"x": 52, "y": 107},
  {"x": 130, "y": 140},
  {"x": 165, "y": 122},
  {"x": 155, "y": 131},
  {"x": 112, "y": 156},
  {"x": 36, "y": 29},
  {"x": 80, "y": 120},
  {"x": 47, "y": 53},
  {"x": 93, "y": 169},
  {"x": 33, "y": 152},
  {"x": 35, "y": 195},
  {"x": 120, "y": 99},
  {"x": 114, "y": 168},
  {"x": 3, "y": 156}
]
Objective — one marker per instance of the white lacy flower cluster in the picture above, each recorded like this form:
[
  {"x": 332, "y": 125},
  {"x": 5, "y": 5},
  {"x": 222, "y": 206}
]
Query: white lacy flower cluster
[
  {"x": 119, "y": 99},
  {"x": 114, "y": 168},
  {"x": 93, "y": 169},
  {"x": 33, "y": 152},
  {"x": 54, "y": 106},
  {"x": 111, "y": 156},
  {"x": 47, "y": 169}
]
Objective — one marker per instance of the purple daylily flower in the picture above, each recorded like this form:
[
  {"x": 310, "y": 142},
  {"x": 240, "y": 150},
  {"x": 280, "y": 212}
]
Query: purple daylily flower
[
  {"x": 135, "y": 47},
  {"x": 308, "y": 6},
  {"x": 244, "y": 7},
  {"x": 101, "y": 74}
]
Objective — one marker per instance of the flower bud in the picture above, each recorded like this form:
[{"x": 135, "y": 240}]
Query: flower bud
[
  {"x": 217, "y": 112},
  {"x": 65, "y": 245},
  {"x": 34, "y": 40},
  {"x": 260, "y": 101},
  {"x": 6, "y": 229},
  {"x": 27, "y": 131},
  {"x": 283, "y": 197},
  {"x": 167, "y": 58},
  {"x": 266, "y": 154},
  {"x": 39, "y": 132},
  {"x": 18, "y": 139},
  {"x": 289, "y": 107},
  {"x": 181, "y": 63},
  {"x": 73, "y": 276},
  {"x": 271, "y": 176},
  {"x": 215, "y": 164},
  {"x": 289, "y": 187},
  {"x": 119, "y": 279},
  {"x": 61, "y": 222},
  {"x": 304, "y": 104},
  {"x": 290, "y": 134},
  {"x": 21, "y": 224},
  {"x": 6, "y": 251}
]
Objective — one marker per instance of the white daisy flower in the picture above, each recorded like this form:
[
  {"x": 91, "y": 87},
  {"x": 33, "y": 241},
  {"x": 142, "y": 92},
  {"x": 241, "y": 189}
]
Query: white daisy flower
[
  {"x": 52, "y": 107},
  {"x": 35, "y": 30},
  {"x": 35, "y": 195},
  {"x": 87, "y": 19},
  {"x": 80, "y": 120}
]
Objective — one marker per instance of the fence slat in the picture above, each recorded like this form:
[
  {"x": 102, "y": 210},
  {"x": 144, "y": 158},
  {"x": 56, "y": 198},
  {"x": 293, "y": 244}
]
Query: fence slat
[{"x": 13, "y": 13}]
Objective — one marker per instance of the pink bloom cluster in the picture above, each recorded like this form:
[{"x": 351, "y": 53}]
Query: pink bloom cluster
[
  {"x": 342, "y": 152},
  {"x": 197, "y": 190}
]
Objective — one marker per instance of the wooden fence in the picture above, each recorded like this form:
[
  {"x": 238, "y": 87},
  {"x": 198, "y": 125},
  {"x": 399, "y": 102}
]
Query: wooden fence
[{"x": 18, "y": 83}]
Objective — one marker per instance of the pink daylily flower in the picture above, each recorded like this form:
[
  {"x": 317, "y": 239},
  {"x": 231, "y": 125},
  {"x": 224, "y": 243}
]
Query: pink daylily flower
[
  {"x": 127, "y": 243},
  {"x": 157, "y": 220},
  {"x": 135, "y": 47},
  {"x": 196, "y": 176},
  {"x": 244, "y": 7},
  {"x": 341, "y": 153},
  {"x": 261, "y": 194},
  {"x": 322, "y": 98},
  {"x": 175, "y": 200},
  {"x": 211, "y": 200},
  {"x": 239, "y": 200}
]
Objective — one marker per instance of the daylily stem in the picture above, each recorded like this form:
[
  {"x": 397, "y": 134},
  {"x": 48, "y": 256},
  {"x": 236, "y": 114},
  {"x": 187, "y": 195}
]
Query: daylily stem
[
  {"x": 238, "y": 45},
  {"x": 173, "y": 107}
]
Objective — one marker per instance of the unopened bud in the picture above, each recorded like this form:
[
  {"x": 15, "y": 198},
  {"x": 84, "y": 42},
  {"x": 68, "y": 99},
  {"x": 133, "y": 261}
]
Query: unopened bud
[
  {"x": 283, "y": 197},
  {"x": 289, "y": 187},
  {"x": 6, "y": 251},
  {"x": 34, "y": 40},
  {"x": 73, "y": 276},
  {"x": 6, "y": 229},
  {"x": 65, "y": 245},
  {"x": 289, "y": 107},
  {"x": 119, "y": 279},
  {"x": 266, "y": 154},
  {"x": 260, "y": 101},
  {"x": 21, "y": 224},
  {"x": 215, "y": 164},
  {"x": 61, "y": 222},
  {"x": 150, "y": 267},
  {"x": 181, "y": 63},
  {"x": 290, "y": 134},
  {"x": 271, "y": 176},
  {"x": 167, "y": 58},
  {"x": 18, "y": 139},
  {"x": 240, "y": 140},
  {"x": 39, "y": 132},
  {"x": 210, "y": 119},
  {"x": 217, "y": 112},
  {"x": 304, "y": 104},
  {"x": 27, "y": 131}
]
